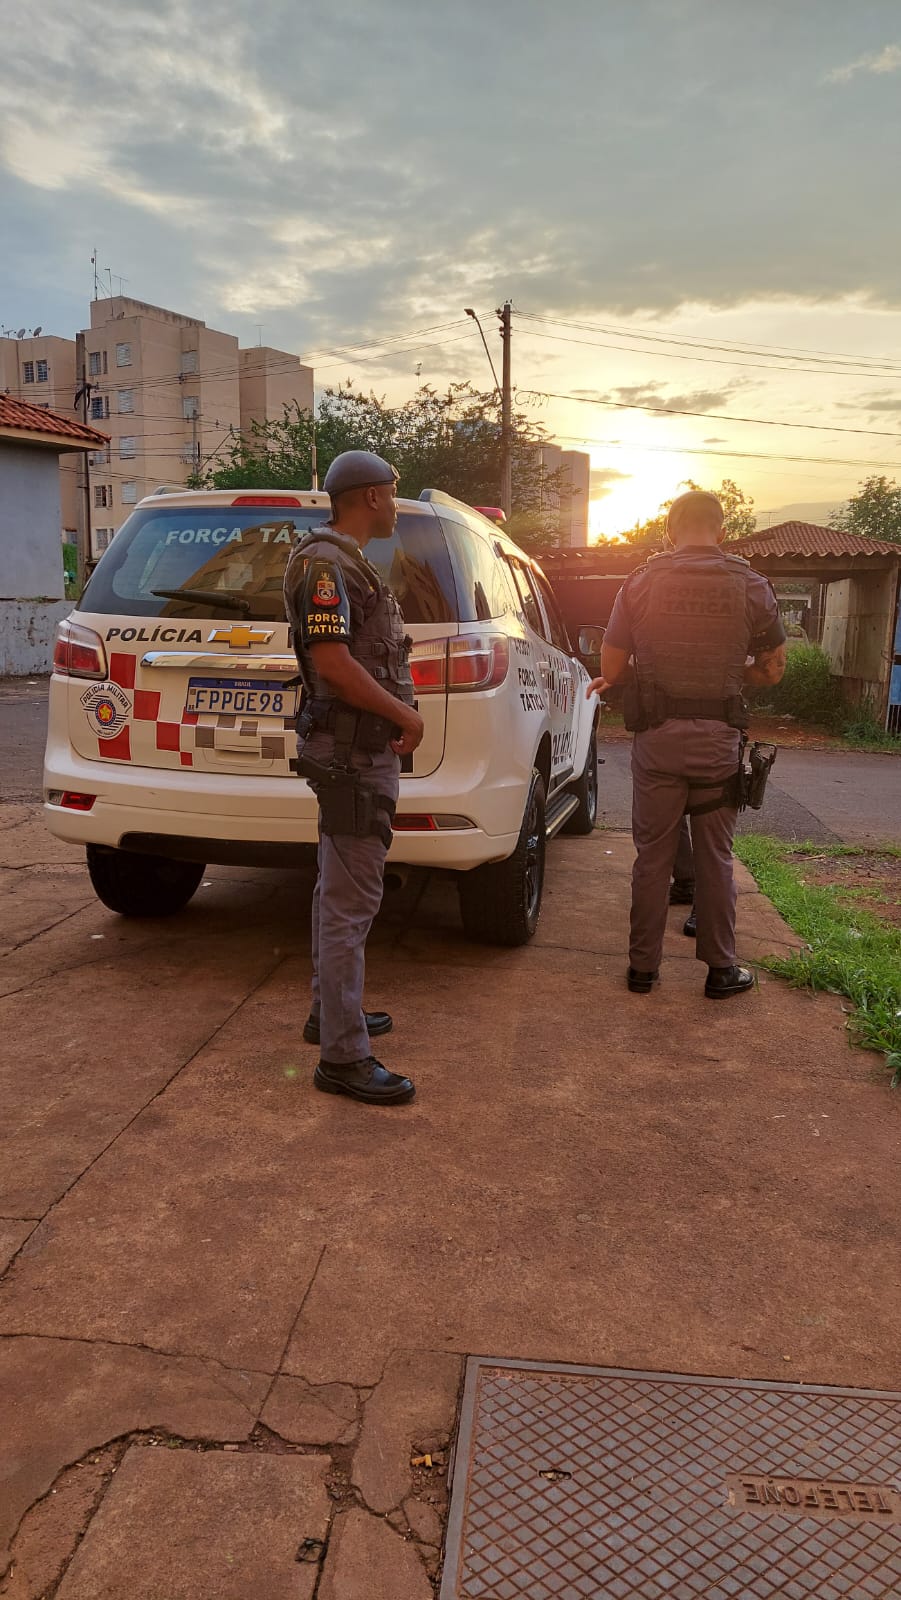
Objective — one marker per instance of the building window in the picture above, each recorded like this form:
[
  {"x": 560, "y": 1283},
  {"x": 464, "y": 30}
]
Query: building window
[
  {"x": 97, "y": 363},
  {"x": 103, "y": 495},
  {"x": 189, "y": 361},
  {"x": 123, "y": 355},
  {"x": 128, "y": 447},
  {"x": 126, "y": 399},
  {"x": 102, "y": 537},
  {"x": 189, "y": 406},
  {"x": 42, "y": 371},
  {"x": 130, "y": 493},
  {"x": 28, "y": 372},
  {"x": 100, "y": 458},
  {"x": 190, "y": 455},
  {"x": 99, "y": 407}
]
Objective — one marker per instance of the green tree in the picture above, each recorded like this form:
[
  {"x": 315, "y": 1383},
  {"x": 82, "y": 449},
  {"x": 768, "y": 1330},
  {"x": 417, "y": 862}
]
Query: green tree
[
  {"x": 738, "y": 508},
  {"x": 874, "y": 511},
  {"x": 449, "y": 441}
]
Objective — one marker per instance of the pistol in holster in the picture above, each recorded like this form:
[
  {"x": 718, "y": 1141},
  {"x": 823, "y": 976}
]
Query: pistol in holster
[
  {"x": 346, "y": 805},
  {"x": 751, "y": 778}
]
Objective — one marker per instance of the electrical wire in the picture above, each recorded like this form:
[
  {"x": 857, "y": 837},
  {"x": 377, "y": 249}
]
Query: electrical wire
[
  {"x": 873, "y": 365},
  {"x": 709, "y": 416}
]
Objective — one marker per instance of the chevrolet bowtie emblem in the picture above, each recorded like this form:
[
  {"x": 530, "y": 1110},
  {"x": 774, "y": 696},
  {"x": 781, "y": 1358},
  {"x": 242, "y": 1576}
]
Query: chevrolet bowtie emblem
[{"x": 239, "y": 636}]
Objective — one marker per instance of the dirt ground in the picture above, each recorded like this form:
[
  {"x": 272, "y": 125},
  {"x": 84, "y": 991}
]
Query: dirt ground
[{"x": 870, "y": 881}]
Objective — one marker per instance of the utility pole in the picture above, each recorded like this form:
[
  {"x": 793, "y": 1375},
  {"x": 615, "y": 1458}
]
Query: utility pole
[
  {"x": 506, "y": 412},
  {"x": 83, "y": 397},
  {"x": 195, "y": 453},
  {"x": 314, "y": 471}
]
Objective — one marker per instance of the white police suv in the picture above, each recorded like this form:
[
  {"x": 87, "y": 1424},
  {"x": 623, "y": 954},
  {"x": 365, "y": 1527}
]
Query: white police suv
[{"x": 171, "y": 724}]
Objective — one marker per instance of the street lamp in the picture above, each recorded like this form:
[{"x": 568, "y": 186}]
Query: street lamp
[{"x": 470, "y": 313}]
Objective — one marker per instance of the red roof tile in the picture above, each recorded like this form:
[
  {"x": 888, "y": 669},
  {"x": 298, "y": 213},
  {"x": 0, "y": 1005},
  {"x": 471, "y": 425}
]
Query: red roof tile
[
  {"x": 808, "y": 539},
  {"x": 23, "y": 417}
]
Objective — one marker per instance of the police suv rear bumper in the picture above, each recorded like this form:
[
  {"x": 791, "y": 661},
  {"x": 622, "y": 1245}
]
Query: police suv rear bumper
[{"x": 261, "y": 821}]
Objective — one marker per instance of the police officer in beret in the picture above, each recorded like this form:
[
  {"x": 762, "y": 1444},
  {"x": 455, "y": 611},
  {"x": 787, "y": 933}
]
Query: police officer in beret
[
  {"x": 689, "y": 619},
  {"x": 357, "y": 721}
]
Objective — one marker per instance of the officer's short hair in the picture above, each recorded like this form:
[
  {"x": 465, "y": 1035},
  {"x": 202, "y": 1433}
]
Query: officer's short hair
[{"x": 696, "y": 511}]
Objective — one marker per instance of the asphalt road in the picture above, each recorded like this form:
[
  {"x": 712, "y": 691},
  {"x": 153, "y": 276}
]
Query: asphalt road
[
  {"x": 822, "y": 795},
  {"x": 826, "y": 796}
]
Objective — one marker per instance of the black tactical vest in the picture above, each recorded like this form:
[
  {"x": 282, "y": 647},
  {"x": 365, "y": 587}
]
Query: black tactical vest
[
  {"x": 380, "y": 644},
  {"x": 691, "y": 633}
]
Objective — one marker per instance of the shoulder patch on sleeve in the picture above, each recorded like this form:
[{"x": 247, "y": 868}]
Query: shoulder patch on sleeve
[{"x": 325, "y": 607}]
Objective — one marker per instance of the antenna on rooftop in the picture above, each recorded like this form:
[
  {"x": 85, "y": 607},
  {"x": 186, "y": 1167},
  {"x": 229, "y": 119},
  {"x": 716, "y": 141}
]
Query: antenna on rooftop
[
  {"x": 21, "y": 334},
  {"x": 96, "y": 283},
  {"x": 38, "y": 329}
]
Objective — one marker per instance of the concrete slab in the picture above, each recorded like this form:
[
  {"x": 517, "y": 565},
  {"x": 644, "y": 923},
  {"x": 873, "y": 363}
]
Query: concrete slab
[
  {"x": 306, "y": 1415},
  {"x": 368, "y": 1560},
  {"x": 412, "y": 1410},
  {"x": 86, "y": 1048},
  {"x": 180, "y": 1524},
  {"x": 60, "y": 1399},
  {"x": 13, "y": 1233}
]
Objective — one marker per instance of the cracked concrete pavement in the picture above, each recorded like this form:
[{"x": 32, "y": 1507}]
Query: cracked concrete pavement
[{"x": 239, "y": 1309}]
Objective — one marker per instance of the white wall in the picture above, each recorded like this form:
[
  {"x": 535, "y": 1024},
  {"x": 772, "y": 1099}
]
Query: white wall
[
  {"x": 31, "y": 559},
  {"x": 27, "y": 635}
]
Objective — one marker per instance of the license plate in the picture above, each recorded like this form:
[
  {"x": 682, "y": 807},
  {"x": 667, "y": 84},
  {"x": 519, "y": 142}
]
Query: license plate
[{"x": 252, "y": 697}]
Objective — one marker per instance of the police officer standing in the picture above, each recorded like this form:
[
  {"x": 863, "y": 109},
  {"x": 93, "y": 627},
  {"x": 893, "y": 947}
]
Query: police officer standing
[
  {"x": 689, "y": 619},
  {"x": 357, "y": 721}
]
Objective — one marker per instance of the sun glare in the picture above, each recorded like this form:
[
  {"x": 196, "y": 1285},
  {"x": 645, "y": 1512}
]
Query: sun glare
[{"x": 648, "y": 481}]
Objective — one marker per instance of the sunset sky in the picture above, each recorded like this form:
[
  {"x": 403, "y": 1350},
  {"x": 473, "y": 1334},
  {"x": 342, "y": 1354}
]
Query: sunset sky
[{"x": 692, "y": 204}]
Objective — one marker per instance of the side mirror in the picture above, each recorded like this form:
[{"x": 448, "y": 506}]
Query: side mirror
[{"x": 590, "y": 640}]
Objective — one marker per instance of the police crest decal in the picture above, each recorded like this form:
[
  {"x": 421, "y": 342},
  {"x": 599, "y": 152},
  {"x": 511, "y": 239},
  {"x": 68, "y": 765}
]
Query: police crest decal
[{"x": 107, "y": 708}]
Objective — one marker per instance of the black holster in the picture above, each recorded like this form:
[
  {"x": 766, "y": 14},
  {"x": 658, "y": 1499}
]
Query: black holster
[
  {"x": 347, "y": 805},
  {"x": 753, "y": 777}
]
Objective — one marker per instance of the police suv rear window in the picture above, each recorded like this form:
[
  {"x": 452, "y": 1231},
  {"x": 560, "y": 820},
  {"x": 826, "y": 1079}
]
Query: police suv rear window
[{"x": 212, "y": 561}]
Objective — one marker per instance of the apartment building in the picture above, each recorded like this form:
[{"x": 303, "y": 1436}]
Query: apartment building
[
  {"x": 570, "y": 471},
  {"x": 169, "y": 391},
  {"x": 41, "y": 371}
]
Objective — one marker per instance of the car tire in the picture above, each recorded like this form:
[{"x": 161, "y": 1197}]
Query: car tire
[
  {"x": 501, "y": 902},
  {"x": 141, "y": 885},
  {"x": 585, "y": 790}
]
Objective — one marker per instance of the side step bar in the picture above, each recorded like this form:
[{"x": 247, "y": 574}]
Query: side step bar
[{"x": 559, "y": 811}]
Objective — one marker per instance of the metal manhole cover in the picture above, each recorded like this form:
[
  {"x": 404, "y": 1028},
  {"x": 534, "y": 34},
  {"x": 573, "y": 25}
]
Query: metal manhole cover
[{"x": 598, "y": 1484}]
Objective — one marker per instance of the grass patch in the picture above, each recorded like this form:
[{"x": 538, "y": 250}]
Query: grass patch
[{"x": 848, "y": 952}]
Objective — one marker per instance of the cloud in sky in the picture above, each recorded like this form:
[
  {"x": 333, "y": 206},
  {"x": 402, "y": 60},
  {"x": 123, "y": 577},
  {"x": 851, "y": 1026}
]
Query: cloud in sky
[
  {"x": 603, "y": 481},
  {"x": 878, "y": 61},
  {"x": 347, "y": 171},
  {"x": 656, "y": 394}
]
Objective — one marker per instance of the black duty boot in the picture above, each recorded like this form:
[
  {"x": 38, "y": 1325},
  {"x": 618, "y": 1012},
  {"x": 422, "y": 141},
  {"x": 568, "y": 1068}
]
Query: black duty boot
[
  {"x": 690, "y": 925},
  {"x": 642, "y": 982},
  {"x": 681, "y": 892},
  {"x": 365, "y": 1080},
  {"x": 376, "y": 1022},
  {"x": 723, "y": 982}
]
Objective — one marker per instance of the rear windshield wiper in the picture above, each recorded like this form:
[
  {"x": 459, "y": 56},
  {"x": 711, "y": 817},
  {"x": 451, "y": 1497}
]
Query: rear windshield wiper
[{"x": 228, "y": 602}]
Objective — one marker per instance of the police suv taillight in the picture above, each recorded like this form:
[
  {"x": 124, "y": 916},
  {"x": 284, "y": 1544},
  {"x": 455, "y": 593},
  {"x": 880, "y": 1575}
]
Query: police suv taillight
[
  {"x": 78, "y": 652},
  {"x": 475, "y": 661}
]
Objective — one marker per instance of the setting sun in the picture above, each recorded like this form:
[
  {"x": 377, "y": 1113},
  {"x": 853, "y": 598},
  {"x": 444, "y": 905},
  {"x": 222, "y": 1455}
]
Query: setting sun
[{"x": 647, "y": 480}]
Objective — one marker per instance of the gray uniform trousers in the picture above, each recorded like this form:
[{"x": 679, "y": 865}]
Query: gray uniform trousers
[
  {"x": 670, "y": 767},
  {"x": 347, "y": 896},
  {"x": 684, "y": 864}
]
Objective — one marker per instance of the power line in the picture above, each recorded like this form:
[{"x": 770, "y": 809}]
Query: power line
[
  {"x": 719, "y": 361},
  {"x": 729, "y": 455},
  {"x": 709, "y": 416},
  {"x": 875, "y": 365}
]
